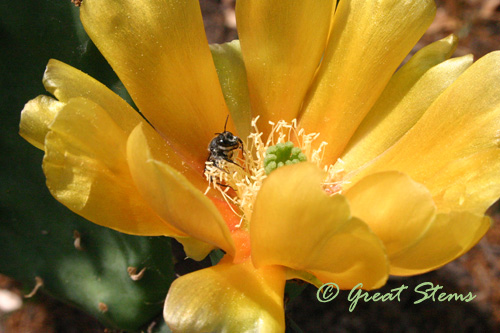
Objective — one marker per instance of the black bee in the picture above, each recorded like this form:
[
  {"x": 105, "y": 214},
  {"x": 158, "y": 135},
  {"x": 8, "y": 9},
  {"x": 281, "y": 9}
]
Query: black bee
[{"x": 223, "y": 146}]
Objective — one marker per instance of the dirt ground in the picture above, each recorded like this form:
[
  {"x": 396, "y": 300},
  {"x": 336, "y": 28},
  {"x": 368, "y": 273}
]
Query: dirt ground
[{"x": 477, "y": 23}]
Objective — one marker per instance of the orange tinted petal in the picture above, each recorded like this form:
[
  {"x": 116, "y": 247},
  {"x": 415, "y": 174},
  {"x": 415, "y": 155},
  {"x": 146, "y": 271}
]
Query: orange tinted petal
[{"x": 173, "y": 197}]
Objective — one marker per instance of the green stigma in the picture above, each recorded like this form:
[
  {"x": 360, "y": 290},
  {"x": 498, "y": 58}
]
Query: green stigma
[{"x": 282, "y": 154}]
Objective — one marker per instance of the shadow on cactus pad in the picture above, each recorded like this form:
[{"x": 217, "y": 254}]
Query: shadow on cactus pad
[{"x": 94, "y": 268}]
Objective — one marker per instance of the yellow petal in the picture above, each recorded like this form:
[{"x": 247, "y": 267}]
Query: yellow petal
[
  {"x": 233, "y": 80},
  {"x": 173, "y": 197},
  {"x": 195, "y": 249},
  {"x": 332, "y": 18},
  {"x": 66, "y": 82},
  {"x": 86, "y": 169},
  {"x": 159, "y": 50},
  {"x": 368, "y": 42},
  {"x": 468, "y": 183},
  {"x": 448, "y": 237},
  {"x": 407, "y": 96},
  {"x": 297, "y": 225},
  {"x": 36, "y": 117},
  {"x": 227, "y": 298},
  {"x": 304, "y": 276},
  {"x": 397, "y": 209},
  {"x": 462, "y": 122},
  {"x": 282, "y": 44},
  {"x": 161, "y": 151}
]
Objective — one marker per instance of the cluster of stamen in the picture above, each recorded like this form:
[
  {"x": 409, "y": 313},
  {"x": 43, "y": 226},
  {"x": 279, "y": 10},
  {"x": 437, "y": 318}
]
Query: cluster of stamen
[{"x": 239, "y": 183}]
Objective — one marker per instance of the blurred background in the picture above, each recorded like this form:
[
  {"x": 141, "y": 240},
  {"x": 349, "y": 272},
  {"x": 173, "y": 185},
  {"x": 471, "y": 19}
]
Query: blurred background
[{"x": 32, "y": 32}]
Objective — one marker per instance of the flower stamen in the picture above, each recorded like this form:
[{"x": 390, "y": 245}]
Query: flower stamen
[{"x": 239, "y": 182}]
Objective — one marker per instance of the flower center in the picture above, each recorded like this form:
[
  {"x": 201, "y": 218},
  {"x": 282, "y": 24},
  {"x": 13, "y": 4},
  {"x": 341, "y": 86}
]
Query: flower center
[
  {"x": 239, "y": 181},
  {"x": 282, "y": 154}
]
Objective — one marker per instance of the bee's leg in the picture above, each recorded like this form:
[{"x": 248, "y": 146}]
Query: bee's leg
[
  {"x": 225, "y": 185},
  {"x": 232, "y": 162},
  {"x": 241, "y": 146},
  {"x": 215, "y": 163},
  {"x": 242, "y": 154},
  {"x": 218, "y": 167},
  {"x": 220, "y": 184}
]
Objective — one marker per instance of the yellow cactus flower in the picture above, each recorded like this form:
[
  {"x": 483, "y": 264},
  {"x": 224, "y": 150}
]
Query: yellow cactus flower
[{"x": 401, "y": 165}]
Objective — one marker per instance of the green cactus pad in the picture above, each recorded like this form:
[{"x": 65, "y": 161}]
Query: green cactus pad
[{"x": 93, "y": 275}]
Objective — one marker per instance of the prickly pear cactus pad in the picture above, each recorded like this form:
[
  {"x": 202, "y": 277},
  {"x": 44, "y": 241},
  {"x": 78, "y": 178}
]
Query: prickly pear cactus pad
[{"x": 120, "y": 279}]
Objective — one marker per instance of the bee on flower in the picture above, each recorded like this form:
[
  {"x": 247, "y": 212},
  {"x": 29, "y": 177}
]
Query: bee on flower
[{"x": 352, "y": 170}]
